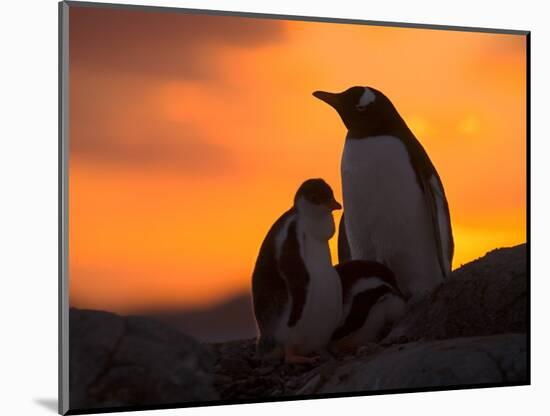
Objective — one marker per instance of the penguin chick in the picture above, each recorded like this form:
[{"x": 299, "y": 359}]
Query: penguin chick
[
  {"x": 297, "y": 294},
  {"x": 372, "y": 303}
]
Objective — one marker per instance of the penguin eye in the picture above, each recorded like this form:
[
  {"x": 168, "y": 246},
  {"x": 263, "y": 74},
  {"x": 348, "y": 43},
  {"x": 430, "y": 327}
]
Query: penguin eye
[{"x": 360, "y": 107}]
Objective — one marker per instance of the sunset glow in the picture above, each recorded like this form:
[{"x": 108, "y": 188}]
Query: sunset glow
[{"x": 190, "y": 134}]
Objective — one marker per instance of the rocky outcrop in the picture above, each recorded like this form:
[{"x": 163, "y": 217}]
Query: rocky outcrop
[
  {"x": 485, "y": 297},
  {"x": 460, "y": 361},
  {"x": 470, "y": 331},
  {"x": 454, "y": 362},
  {"x": 230, "y": 319},
  {"x": 128, "y": 361}
]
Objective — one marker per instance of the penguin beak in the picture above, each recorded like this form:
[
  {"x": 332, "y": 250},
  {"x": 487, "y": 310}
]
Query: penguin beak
[
  {"x": 330, "y": 98},
  {"x": 334, "y": 205}
]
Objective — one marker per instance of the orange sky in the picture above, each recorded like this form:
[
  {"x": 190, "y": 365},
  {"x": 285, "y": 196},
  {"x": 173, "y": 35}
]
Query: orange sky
[{"x": 190, "y": 134}]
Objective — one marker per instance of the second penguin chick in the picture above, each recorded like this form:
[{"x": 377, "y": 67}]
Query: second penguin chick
[
  {"x": 372, "y": 303},
  {"x": 297, "y": 293}
]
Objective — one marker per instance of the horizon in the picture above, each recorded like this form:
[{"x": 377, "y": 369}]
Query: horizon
[
  {"x": 189, "y": 135},
  {"x": 232, "y": 298}
]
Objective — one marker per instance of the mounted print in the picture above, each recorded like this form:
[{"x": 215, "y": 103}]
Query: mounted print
[{"x": 265, "y": 208}]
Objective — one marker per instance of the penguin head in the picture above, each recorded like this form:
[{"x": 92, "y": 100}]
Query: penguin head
[
  {"x": 364, "y": 110},
  {"x": 314, "y": 201}
]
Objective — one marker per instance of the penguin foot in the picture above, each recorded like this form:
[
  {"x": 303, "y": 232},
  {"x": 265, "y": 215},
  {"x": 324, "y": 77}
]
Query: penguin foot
[
  {"x": 292, "y": 357},
  {"x": 272, "y": 356},
  {"x": 329, "y": 353},
  {"x": 301, "y": 359},
  {"x": 344, "y": 347}
]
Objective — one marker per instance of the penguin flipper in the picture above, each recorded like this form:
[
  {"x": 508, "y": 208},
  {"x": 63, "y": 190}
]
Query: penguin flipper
[
  {"x": 360, "y": 308},
  {"x": 269, "y": 296},
  {"x": 294, "y": 270},
  {"x": 353, "y": 271},
  {"x": 269, "y": 288},
  {"x": 441, "y": 220},
  {"x": 344, "y": 252}
]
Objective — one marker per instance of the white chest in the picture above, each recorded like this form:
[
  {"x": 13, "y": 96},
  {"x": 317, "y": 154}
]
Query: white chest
[
  {"x": 376, "y": 160},
  {"x": 382, "y": 199},
  {"x": 323, "y": 307},
  {"x": 324, "y": 292},
  {"x": 319, "y": 263}
]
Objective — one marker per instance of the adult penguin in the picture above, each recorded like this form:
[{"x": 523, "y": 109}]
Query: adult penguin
[{"x": 395, "y": 209}]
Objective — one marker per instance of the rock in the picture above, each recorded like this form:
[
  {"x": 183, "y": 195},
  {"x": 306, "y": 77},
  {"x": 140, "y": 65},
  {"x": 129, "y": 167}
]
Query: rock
[
  {"x": 93, "y": 338},
  {"x": 470, "y": 331},
  {"x": 124, "y": 361},
  {"x": 221, "y": 379},
  {"x": 471, "y": 360},
  {"x": 454, "y": 362},
  {"x": 311, "y": 385},
  {"x": 291, "y": 384},
  {"x": 485, "y": 297},
  {"x": 243, "y": 348},
  {"x": 368, "y": 349},
  {"x": 263, "y": 371},
  {"x": 234, "y": 365}
]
